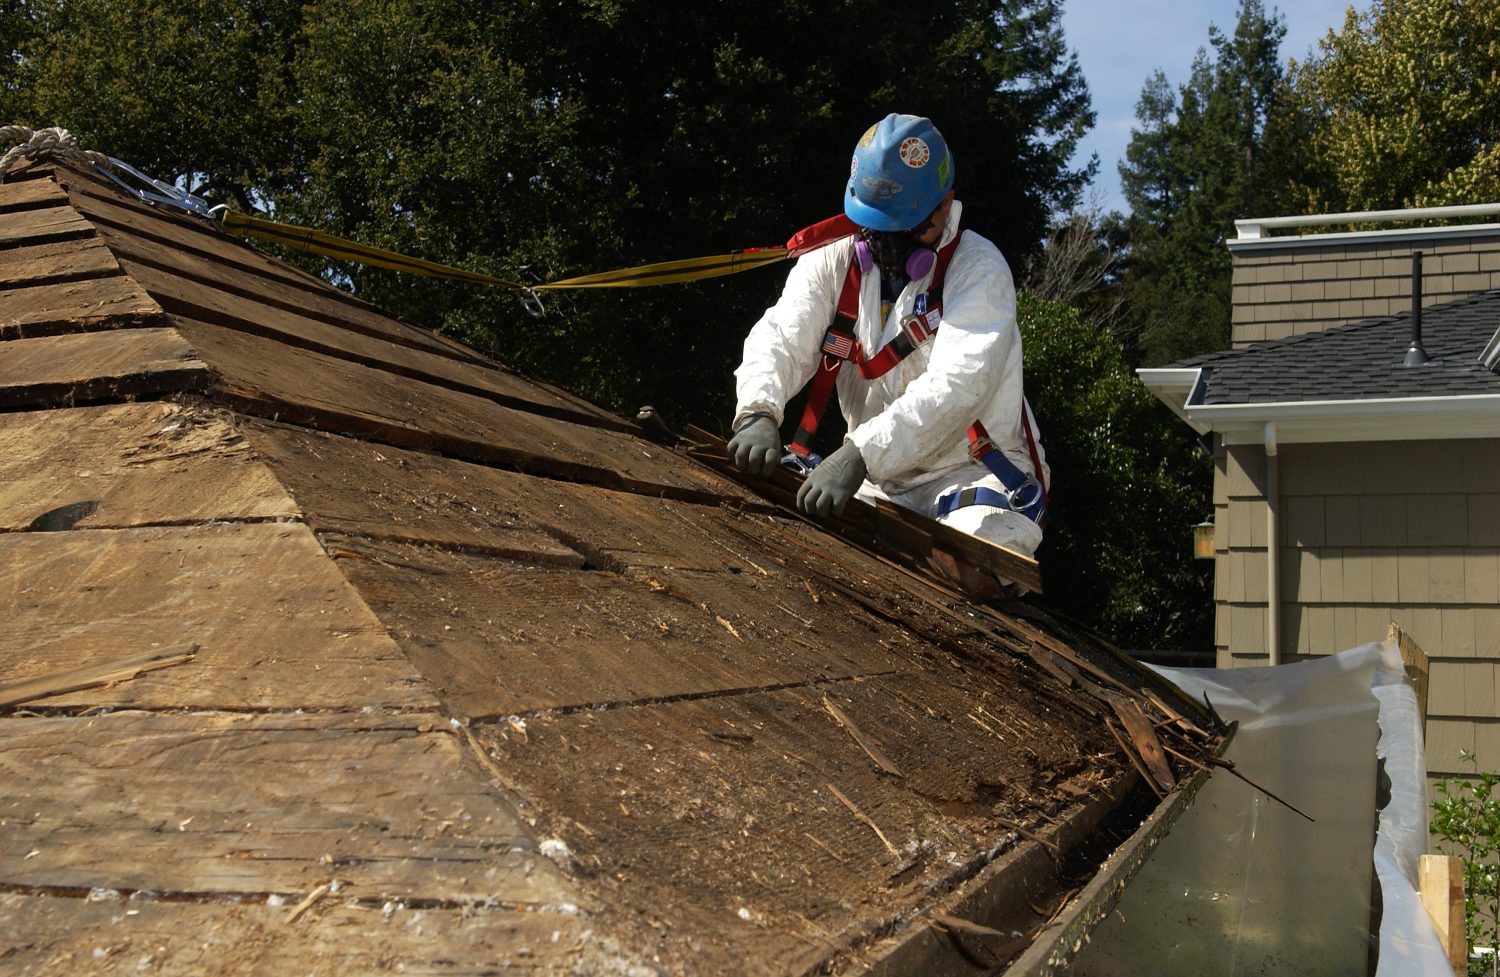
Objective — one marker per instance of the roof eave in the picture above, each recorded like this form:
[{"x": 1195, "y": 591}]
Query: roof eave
[
  {"x": 1327, "y": 421},
  {"x": 1177, "y": 387}
]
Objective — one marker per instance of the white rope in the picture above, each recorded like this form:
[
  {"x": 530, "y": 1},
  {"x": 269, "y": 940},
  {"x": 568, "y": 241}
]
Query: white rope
[{"x": 39, "y": 145}]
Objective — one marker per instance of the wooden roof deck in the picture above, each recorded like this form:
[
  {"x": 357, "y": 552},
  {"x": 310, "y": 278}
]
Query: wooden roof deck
[{"x": 330, "y": 646}]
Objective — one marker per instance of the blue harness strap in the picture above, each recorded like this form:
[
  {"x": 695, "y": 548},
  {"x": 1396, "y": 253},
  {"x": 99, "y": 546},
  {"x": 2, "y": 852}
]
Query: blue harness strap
[{"x": 1023, "y": 493}]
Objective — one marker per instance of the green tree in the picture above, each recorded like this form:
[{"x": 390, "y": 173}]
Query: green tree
[
  {"x": 193, "y": 91},
  {"x": 1129, "y": 488},
  {"x": 540, "y": 140},
  {"x": 15, "y": 29},
  {"x": 1399, "y": 108},
  {"x": 1195, "y": 164}
]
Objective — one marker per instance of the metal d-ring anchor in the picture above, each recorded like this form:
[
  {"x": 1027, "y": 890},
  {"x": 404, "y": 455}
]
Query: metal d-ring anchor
[{"x": 531, "y": 302}]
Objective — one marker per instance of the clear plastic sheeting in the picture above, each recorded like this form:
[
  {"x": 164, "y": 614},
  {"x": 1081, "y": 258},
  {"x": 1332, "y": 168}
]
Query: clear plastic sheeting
[
  {"x": 1245, "y": 886},
  {"x": 1409, "y": 944}
]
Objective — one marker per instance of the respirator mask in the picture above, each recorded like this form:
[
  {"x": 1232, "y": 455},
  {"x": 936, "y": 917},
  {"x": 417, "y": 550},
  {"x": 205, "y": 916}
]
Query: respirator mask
[{"x": 898, "y": 254}]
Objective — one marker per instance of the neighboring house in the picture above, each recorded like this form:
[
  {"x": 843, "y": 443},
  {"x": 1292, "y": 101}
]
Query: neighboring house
[{"x": 1350, "y": 489}]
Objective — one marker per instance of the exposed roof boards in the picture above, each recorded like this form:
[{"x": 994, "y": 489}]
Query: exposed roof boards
[{"x": 332, "y": 645}]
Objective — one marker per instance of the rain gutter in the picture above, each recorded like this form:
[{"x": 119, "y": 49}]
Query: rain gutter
[{"x": 1320, "y": 421}]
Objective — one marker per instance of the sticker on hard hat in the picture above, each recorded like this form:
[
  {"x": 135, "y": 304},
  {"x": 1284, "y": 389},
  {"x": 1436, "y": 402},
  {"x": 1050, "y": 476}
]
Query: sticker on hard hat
[
  {"x": 869, "y": 137},
  {"x": 880, "y": 187},
  {"x": 853, "y": 166},
  {"x": 914, "y": 152}
]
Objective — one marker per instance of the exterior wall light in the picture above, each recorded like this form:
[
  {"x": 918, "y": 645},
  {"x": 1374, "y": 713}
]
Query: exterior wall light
[{"x": 1203, "y": 540}]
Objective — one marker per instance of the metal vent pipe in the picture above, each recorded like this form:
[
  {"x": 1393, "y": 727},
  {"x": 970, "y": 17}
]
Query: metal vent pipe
[{"x": 1416, "y": 355}]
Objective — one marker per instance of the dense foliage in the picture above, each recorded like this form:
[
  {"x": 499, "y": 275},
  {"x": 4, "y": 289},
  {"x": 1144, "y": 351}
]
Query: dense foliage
[
  {"x": 1400, "y": 108},
  {"x": 541, "y": 140},
  {"x": 1466, "y": 822},
  {"x": 1129, "y": 487}
]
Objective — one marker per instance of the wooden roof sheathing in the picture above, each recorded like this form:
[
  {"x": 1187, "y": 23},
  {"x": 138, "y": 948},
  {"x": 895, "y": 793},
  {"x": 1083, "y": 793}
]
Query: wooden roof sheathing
[{"x": 448, "y": 671}]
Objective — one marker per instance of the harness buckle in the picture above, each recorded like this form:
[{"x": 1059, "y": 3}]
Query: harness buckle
[
  {"x": 802, "y": 465},
  {"x": 917, "y": 329},
  {"x": 1025, "y": 499}
]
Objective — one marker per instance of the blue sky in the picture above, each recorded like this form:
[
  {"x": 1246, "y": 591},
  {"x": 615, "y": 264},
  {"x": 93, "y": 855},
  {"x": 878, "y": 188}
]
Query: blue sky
[{"x": 1120, "y": 42}]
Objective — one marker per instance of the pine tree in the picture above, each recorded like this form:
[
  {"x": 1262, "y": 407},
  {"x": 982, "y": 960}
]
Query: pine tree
[{"x": 1195, "y": 165}]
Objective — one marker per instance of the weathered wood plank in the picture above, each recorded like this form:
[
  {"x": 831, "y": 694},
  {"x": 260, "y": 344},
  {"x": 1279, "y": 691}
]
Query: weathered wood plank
[
  {"x": 74, "y": 306},
  {"x": 354, "y": 487},
  {"x": 92, "y": 366},
  {"x": 39, "y": 264},
  {"x": 202, "y": 240},
  {"x": 496, "y": 637},
  {"x": 881, "y": 587},
  {"x": 124, "y": 465},
  {"x": 357, "y": 488},
  {"x": 189, "y": 288},
  {"x": 323, "y": 391},
  {"x": 885, "y": 526},
  {"x": 723, "y": 809},
  {"x": 201, "y": 804},
  {"x": 183, "y": 237},
  {"x": 349, "y": 486},
  {"x": 104, "y": 205},
  {"x": 1441, "y": 887},
  {"x": 219, "y": 291},
  {"x": 30, "y": 195},
  {"x": 22, "y": 226},
  {"x": 276, "y": 625},
  {"x": 42, "y": 936}
]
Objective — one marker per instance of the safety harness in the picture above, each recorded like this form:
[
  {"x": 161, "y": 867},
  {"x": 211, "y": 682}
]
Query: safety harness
[{"x": 1023, "y": 492}]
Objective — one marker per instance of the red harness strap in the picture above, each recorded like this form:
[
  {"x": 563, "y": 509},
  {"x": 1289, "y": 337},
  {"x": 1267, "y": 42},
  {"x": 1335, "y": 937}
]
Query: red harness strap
[
  {"x": 822, "y": 233},
  {"x": 839, "y": 345}
]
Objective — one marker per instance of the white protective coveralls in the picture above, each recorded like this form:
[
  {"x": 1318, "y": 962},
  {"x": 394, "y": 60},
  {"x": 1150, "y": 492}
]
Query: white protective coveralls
[{"x": 910, "y": 425}]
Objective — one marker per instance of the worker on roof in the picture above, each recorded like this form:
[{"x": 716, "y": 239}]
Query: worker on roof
[{"x": 921, "y": 316}]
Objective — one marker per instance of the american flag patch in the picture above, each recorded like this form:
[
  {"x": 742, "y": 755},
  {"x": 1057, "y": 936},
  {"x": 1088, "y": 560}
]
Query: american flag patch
[{"x": 838, "y": 344}]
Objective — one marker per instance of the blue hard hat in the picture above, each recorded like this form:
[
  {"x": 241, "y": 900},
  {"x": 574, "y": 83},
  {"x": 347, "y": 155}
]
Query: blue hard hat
[{"x": 900, "y": 173}]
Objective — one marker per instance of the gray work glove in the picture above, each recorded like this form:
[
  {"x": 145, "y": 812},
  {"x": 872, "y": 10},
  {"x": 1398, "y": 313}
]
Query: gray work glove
[
  {"x": 832, "y": 484},
  {"x": 756, "y": 445}
]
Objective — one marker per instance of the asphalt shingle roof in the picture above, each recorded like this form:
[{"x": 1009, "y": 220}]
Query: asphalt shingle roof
[{"x": 1362, "y": 360}]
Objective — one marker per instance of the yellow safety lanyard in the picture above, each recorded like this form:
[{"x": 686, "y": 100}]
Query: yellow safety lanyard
[
  {"x": 659, "y": 273},
  {"x": 58, "y": 143}
]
